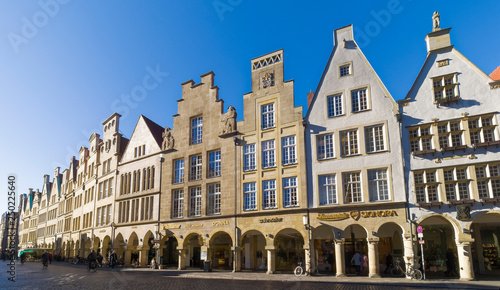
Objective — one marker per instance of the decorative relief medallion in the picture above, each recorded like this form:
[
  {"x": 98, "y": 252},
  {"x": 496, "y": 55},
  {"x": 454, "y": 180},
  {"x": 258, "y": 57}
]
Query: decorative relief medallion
[{"x": 268, "y": 80}]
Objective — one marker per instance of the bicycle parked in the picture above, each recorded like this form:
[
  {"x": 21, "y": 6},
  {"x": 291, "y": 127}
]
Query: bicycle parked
[
  {"x": 299, "y": 271},
  {"x": 412, "y": 272}
]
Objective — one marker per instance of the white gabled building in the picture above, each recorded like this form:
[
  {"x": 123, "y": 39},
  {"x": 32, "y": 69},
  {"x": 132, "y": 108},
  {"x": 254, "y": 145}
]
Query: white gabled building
[
  {"x": 355, "y": 169},
  {"x": 452, "y": 158},
  {"x": 136, "y": 200}
]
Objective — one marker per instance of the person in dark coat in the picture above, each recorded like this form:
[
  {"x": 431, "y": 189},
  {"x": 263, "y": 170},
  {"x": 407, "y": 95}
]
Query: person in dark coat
[{"x": 450, "y": 264}]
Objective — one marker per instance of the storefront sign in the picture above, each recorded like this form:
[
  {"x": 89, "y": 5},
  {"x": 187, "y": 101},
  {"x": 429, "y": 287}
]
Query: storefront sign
[
  {"x": 222, "y": 223},
  {"x": 355, "y": 214},
  {"x": 378, "y": 213},
  {"x": 271, "y": 220},
  {"x": 167, "y": 227},
  {"x": 333, "y": 216},
  {"x": 194, "y": 226}
]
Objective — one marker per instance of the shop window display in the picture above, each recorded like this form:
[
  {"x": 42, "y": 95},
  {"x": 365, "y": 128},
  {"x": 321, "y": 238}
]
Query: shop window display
[
  {"x": 289, "y": 251},
  {"x": 325, "y": 255}
]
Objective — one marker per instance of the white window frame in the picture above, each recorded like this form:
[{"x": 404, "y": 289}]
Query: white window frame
[
  {"x": 359, "y": 100},
  {"x": 334, "y": 105},
  {"x": 289, "y": 150},
  {"x": 269, "y": 194},
  {"x": 325, "y": 146},
  {"x": 249, "y": 161},
  {"x": 196, "y": 130},
  {"x": 195, "y": 201},
  {"x": 353, "y": 189},
  {"x": 195, "y": 167},
  {"x": 178, "y": 171},
  {"x": 349, "y": 142},
  {"x": 214, "y": 199},
  {"x": 214, "y": 164},
  {"x": 327, "y": 189},
  {"x": 178, "y": 203},
  {"x": 267, "y": 116},
  {"x": 250, "y": 196},
  {"x": 268, "y": 154},
  {"x": 290, "y": 192},
  {"x": 378, "y": 185},
  {"x": 375, "y": 138}
]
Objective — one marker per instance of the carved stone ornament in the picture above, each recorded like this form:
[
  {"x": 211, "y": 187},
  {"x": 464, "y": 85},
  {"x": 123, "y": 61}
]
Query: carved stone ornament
[
  {"x": 228, "y": 121},
  {"x": 435, "y": 21},
  {"x": 168, "y": 139},
  {"x": 463, "y": 212},
  {"x": 268, "y": 80}
]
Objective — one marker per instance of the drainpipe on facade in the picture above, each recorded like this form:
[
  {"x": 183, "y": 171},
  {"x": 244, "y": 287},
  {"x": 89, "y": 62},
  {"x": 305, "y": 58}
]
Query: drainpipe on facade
[
  {"x": 308, "y": 226},
  {"x": 399, "y": 117},
  {"x": 235, "y": 140},
  {"x": 158, "y": 233}
]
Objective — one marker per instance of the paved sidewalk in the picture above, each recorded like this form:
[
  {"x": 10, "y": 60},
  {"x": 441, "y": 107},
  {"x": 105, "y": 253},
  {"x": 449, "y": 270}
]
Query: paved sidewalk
[{"x": 262, "y": 276}]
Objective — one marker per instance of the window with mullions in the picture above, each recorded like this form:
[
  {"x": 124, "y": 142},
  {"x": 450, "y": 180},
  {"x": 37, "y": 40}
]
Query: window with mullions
[
  {"x": 426, "y": 187},
  {"x": 268, "y": 154},
  {"x": 196, "y": 130},
  {"x": 345, "y": 70},
  {"x": 359, "y": 100},
  {"x": 179, "y": 171},
  {"x": 195, "y": 169},
  {"x": 178, "y": 203},
  {"x": 249, "y": 157},
  {"x": 456, "y": 181},
  {"x": 481, "y": 130},
  {"x": 214, "y": 167},
  {"x": 488, "y": 180},
  {"x": 349, "y": 142},
  {"x": 377, "y": 185},
  {"x": 325, "y": 144},
  {"x": 450, "y": 134},
  {"x": 289, "y": 150},
  {"x": 420, "y": 139},
  {"x": 267, "y": 116},
  {"x": 269, "y": 194},
  {"x": 327, "y": 190},
  {"x": 249, "y": 196},
  {"x": 334, "y": 105},
  {"x": 290, "y": 194},
  {"x": 352, "y": 187},
  {"x": 213, "y": 198},
  {"x": 195, "y": 201},
  {"x": 374, "y": 138},
  {"x": 445, "y": 89}
]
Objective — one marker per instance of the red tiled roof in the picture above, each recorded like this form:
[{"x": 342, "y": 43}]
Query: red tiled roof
[{"x": 495, "y": 75}]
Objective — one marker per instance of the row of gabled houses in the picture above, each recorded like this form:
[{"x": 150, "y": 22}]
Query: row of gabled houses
[{"x": 359, "y": 173}]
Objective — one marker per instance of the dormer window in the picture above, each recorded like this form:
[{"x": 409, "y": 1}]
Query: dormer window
[{"x": 445, "y": 89}]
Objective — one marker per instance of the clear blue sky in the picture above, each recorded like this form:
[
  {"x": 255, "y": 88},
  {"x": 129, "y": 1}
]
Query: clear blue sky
[{"x": 64, "y": 68}]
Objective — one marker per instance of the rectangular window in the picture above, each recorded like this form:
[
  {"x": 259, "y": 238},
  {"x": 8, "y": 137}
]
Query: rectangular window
[
  {"x": 249, "y": 157},
  {"x": 426, "y": 190},
  {"x": 214, "y": 164},
  {"x": 290, "y": 194},
  {"x": 179, "y": 171},
  {"x": 269, "y": 194},
  {"x": 196, "y": 130},
  {"x": 289, "y": 150},
  {"x": 352, "y": 187},
  {"x": 447, "y": 92},
  {"x": 178, "y": 204},
  {"x": 345, "y": 70},
  {"x": 195, "y": 169},
  {"x": 267, "y": 116},
  {"x": 195, "y": 201},
  {"x": 481, "y": 130},
  {"x": 250, "y": 199},
  {"x": 374, "y": 137},
  {"x": 377, "y": 185},
  {"x": 327, "y": 190},
  {"x": 334, "y": 105},
  {"x": 349, "y": 142},
  {"x": 268, "y": 154},
  {"x": 214, "y": 198},
  {"x": 325, "y": 146},
  {"x": 105, "y": 193},
  {"x": 359, "y": 100}
]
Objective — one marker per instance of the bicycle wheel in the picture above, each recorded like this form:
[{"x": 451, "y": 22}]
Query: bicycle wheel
[
  {"x": 397, "y": 272},
  {"x": 417, "y": 275},
  {"x": 298, "y": 271}
]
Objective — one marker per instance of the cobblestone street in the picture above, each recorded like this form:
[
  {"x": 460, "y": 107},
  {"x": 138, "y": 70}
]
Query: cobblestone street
[{"x": 63, "y": 275}]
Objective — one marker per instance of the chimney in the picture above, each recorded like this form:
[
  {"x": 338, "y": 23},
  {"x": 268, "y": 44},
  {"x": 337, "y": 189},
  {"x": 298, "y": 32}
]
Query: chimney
[
  {"x": 438, "y": 38},
  {"x": 46, "y": 178},
  {"x": 310, "y": 97}
]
